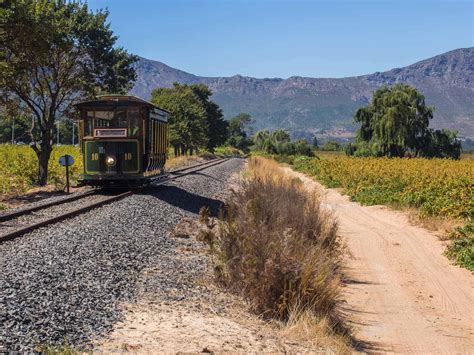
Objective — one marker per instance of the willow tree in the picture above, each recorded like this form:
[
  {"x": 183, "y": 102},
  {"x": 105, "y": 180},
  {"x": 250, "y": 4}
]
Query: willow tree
[
  {"x": 395, "y": 121},
  {"x": 53, "y": 52}
]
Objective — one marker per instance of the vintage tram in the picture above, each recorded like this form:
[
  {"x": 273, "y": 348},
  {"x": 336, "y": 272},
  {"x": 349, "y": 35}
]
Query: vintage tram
[{"x": 124, "y": 141}]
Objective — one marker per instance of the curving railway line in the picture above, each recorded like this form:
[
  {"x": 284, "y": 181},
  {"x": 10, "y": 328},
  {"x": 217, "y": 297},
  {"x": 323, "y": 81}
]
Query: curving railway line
[{"x": 16, "y": 223}]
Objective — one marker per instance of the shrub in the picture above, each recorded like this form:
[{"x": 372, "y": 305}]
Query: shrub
[
  {"x": 278, "y": 247},
  {"x": 461, "y": 250},
  {"x": 228, "y": 151},
  {"x": 331, "y": 146}
]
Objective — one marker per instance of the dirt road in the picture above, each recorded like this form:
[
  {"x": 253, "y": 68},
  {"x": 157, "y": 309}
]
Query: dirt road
[{"x": 402, "y": 294}]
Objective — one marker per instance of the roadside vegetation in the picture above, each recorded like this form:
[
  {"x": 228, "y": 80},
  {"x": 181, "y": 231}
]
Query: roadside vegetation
[
  {"x": 441, "y": 188},
  {"x": 279, "y": 142},
  {"x": 396, "y": 124},
  {"x": 277, "y": 247},
  {"x": 53, "y": 53},
  {"x": 19, "y": 167}
]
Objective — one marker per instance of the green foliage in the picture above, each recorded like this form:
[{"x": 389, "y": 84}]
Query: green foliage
[
  {"x": 216, "y": 125},
  {"x": 195, "y": 122},
  {"x": 442, "y": 144},
  {"x": 395, "y": 124},
  {"x": 437, "y": 187},
  {"x": 188, "y": 124},
  {"x": 236, "y": 133},
  {"x": 331, "y": 146},
  {"x": 19, "y": 166},
  {"x": 64, "y": 349},
  {"x": 54, "y": 52},
  {"x": 279, "y": 142},
  {"x": 461, "y": 249},
  {"x": 229, "y": 151},
  {"x": 22, "y": 126}
]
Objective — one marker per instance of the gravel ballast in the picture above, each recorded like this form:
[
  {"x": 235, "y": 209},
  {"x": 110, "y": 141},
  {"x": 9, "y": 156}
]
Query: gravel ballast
[{"x": 67, "y": 281}]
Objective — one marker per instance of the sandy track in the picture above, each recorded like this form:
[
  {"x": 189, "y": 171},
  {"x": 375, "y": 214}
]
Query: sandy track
[{"x": 402, "y": 294}]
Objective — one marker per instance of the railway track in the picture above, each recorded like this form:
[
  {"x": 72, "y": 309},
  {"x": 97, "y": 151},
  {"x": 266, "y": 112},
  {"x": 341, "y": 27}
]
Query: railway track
[{"x": 17, "y": 223}]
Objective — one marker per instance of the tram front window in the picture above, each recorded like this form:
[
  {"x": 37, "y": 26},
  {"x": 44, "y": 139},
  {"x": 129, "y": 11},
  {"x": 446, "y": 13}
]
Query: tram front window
[{"x": 119, "y": 118}]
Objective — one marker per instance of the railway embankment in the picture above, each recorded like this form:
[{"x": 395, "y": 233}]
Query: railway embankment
[
  {"x": 290, "y": 304},
  {"x": 69, "y": 280}
]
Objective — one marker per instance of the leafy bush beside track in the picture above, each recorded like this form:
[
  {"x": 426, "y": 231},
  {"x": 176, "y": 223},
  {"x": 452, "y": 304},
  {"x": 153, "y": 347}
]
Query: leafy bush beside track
[{"x": 19, "y": 167}]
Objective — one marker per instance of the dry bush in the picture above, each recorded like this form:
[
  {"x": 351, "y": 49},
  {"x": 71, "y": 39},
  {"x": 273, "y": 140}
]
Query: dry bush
[{"x": 277, "y": 247}]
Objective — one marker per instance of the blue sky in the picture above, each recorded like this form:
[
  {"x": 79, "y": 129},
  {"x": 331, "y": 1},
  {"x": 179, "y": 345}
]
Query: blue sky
[{"x": 282, "y": 38}]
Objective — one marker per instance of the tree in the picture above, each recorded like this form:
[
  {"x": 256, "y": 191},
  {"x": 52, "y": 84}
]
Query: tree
[
  {"x": 261, "y": 139},
  {"x": 398, "y": 117},
  {"x": 331, "y": 146},
  {"x": 279, "y": 142},
  {"x": 395, "y": 124},
  {"x": 188, "y": 120},
  {"x": 216, "y": 125},
  {"x": 237, "y": 135},
  {"x": 315, "y": 142},
  {"x": 15, "y": 129},
  {"x": 442, "y": 143},
  {"x": 53, "y": 52}
]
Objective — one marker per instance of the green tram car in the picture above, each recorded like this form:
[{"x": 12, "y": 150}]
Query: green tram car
[{"x": 124, "y": 141}]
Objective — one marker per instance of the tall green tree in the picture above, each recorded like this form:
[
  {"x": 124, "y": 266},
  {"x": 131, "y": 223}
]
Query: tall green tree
[
  {"x": 53, "y": 52},
  {"x": 188, "y": 121},
  {"x": 216, "y": 125},
  {"x": 399, "y": 119},
  {"x": 15, "y": 129},
  {"x": 237, "y": 134},
  {"x": 396, "y": 123},
  {"x": 279, "y": 142},
  {"x": 261, "y": 139}
]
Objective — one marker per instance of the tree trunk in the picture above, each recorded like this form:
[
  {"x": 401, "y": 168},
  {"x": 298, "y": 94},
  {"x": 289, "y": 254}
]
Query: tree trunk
[
  {"x": 43, "y": 154},
  {"x": 43, "y": 160}
]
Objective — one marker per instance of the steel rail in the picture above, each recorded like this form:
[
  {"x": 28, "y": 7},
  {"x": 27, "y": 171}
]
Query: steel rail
[
  {"x": 196, "y": 165},
  {"x": 14, "y": 214},
  {"x": 31, "y": 227},
  {"x": 172, "y": 175},
  {"x": 16, "y": 233}
]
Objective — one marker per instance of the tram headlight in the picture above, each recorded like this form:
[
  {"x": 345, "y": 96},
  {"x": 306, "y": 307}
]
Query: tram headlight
[{"x": 110, "y": 160}]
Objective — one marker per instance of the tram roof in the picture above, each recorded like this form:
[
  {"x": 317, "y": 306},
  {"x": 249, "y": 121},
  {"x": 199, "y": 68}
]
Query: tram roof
[{"x": 123, "y": 100}]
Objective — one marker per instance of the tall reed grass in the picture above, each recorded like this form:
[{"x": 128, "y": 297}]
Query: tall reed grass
[{"x": 275, "y": 245}]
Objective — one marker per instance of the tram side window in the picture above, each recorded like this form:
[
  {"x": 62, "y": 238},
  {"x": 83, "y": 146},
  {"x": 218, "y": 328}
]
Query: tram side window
[
  {"x": 88, "y": 123},
  {"x": 133, "y": 121}
]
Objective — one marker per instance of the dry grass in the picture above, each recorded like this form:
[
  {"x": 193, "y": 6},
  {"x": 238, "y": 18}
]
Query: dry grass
[
  {"x": 442, "y": 226},
  {"x": 279, "y": 249},
  {"x": 180, "y": 162},
  {"x": 319, "y": 332},
  {"x": 187, "y": 160}
]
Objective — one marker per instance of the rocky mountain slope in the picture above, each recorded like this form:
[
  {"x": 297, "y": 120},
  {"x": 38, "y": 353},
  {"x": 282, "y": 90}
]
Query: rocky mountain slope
[{"x": 311, "y": 105}]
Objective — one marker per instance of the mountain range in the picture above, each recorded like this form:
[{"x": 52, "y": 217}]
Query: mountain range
[{"x": 307, "y": 106}]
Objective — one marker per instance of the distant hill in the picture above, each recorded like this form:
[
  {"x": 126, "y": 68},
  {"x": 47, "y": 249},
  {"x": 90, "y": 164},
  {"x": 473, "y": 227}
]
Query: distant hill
[{"x": 317, "y": 105}]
